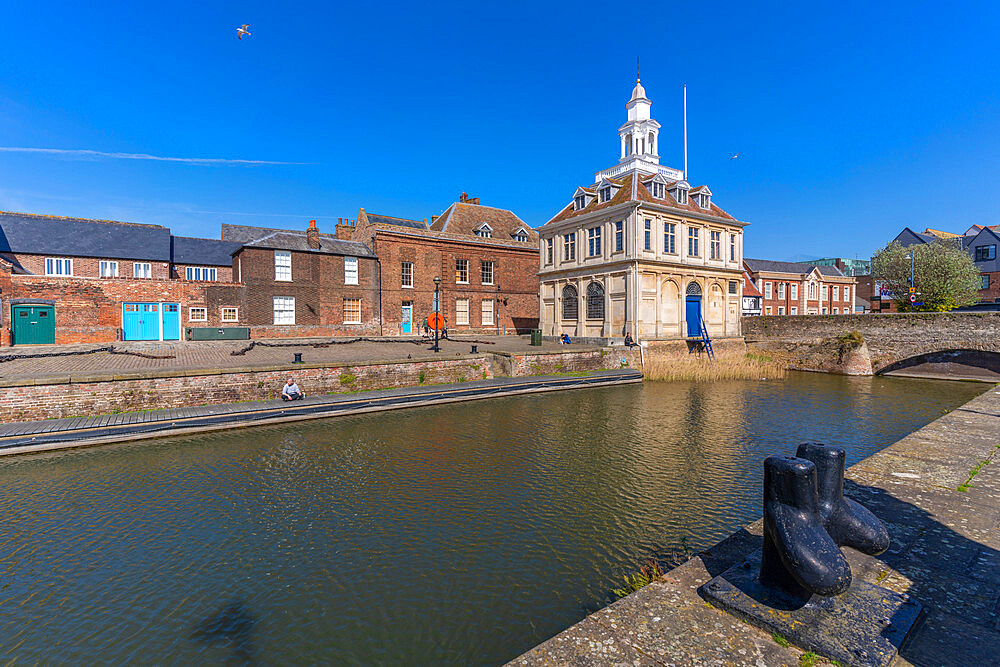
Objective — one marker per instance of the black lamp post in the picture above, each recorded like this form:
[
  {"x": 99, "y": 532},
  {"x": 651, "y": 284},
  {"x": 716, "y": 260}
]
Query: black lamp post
[{"x": 437, "y": 312}]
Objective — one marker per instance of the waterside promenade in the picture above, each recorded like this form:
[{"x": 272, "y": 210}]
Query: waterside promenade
[{"x": 937, "y": 490}]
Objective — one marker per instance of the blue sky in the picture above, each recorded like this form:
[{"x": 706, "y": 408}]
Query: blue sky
[{"x": 852, "y": 119}]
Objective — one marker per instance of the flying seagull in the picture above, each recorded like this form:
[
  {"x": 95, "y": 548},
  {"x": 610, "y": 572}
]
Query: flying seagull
[
  {"x": 735, "y": 156},
  {"x": 242, "y": 30}
]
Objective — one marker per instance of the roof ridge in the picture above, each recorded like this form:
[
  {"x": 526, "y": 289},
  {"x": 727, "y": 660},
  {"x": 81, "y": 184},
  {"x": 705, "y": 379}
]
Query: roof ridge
[{"x": 79, "y": 219}]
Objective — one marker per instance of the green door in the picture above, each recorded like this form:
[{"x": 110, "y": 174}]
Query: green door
[{"x": 34, "y": 325}]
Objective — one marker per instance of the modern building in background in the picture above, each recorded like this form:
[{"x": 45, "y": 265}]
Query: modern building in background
[
  {"x": 640, "y": 250},
  {"x": 791, "y": 288},
  {"x": 849, "y": 267}
]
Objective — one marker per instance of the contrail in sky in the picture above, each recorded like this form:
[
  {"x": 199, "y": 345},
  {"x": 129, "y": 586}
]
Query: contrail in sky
[{"x": 83, "y": 153}]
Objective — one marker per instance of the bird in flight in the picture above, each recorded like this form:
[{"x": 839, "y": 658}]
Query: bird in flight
[
  {"x": 735, "y": 156},
  {"x": 242, "y": 30}
]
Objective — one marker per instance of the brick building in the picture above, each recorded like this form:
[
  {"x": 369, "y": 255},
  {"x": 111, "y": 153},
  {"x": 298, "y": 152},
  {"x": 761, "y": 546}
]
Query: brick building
[
  {"x": 792, "y": 288},
  {"x": 486, "y": 259}
]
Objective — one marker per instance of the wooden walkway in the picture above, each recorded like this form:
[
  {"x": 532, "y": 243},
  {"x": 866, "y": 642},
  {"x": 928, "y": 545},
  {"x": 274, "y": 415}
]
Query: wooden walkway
[{"x": 33, "y": 436}]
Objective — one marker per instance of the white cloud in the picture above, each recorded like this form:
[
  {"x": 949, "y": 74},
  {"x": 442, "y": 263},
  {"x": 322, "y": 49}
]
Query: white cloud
[{"x": 85, "y": 154}]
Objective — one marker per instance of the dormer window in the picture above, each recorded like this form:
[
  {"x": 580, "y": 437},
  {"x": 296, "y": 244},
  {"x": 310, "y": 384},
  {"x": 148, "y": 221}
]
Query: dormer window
[
  {"x": 484, "y": 231},
  {"x": 681, "y": 195},
  {"x": 579, "y": 202},
  {"x": 704, "y": 201},
  {"x": 656, "y": 189},
  {"x": 521, "y": 236},
  {"x": 606, "y": 194}
]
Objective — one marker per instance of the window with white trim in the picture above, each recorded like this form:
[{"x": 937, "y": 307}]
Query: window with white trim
[
  {"x": 521, "y": 236},
  {"x": 656, "y": 189},
  {"x": 836, "y": 311},
  {"x": 647, "y": 234},
  {"x": 352, "y": 311},
  {"x": 108, "y": 269},
  {"x": 282, "y": 265},
  {"x": 847, "y": 293},
  {"x": 461, "y": 311},
  {"x": 485, "y": 232},
  {"x": 605, "y": 194},
  {"x": 569, "y": 247},
  {"x": 579, "y": 202},
  {"x": 795, "y": 310},
  {"x": 769, "y": 310},
  {"x": 620, "y": 236},
  {"x": 781, "y": 310},
  {"x": 199, "y": 273},
  {"x": 230, "y": 314},
  {"x": 57, "y": 266},
  {"x": 197, "y": 314},
  {"x": 681, "y": 194},
  {"x": 823, "y": 293},
  {"x": 486, "y": 273},
  {"x": 406, "y": 271},
  {"x": 716, "y": 245},
  {"x": 461, "y": 271},
  {"x": 824, "y": 311},
  {"x": 794, "y": 289},
  {"x": 142, "y": 270},
  {"x": 767, "y": 290},
  {"x": 284, "y": 310},
  {"x": 694, "y": 239},
  {"x": 670, "y": 237},
  {"x": 732, "y": 247},
  {"x": 836, "y": 293},
  {"x": 487, "y": 312},
  {"x": 350, "y": 270},
  {"x": 549, "y": 243},
  {"x": 781, "y": 290},
  {"x": 593, "y": 242}
]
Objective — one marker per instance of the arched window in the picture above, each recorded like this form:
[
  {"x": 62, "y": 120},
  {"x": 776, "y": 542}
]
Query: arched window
[
  {"x": 652, "y": 152},
  {"x": 570, "y": 303},
  {"x": 595, "y": 301},
  {"x": 628, "y": 145},
  {"x": 694, "y": 289}
]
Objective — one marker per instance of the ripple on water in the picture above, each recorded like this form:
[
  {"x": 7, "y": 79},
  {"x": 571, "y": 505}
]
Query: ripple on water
[{"x": 463, "y": 533}]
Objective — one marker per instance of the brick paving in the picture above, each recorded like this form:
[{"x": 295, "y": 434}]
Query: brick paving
[
  {"x": 190, "y": 356},
  {"x": 945, "y": 553}
]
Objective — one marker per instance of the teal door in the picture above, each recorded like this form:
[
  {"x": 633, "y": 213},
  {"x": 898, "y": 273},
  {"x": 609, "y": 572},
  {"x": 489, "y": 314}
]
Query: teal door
[
  {"x": 407, "y": 317},
  {"x": 171, "y": 321},
  {"x": 34, "y": 325},
  {"x": 141, "y": 321}
]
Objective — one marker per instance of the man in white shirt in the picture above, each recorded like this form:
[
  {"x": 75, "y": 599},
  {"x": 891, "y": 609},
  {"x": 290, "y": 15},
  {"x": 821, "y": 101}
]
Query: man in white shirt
[{"x": 291, "y": 391}]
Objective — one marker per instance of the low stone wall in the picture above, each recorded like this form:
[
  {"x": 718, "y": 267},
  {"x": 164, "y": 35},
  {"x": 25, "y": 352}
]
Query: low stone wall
[
  {"x": 47, "y": 401},
  {"x": 546, "y": 363}
]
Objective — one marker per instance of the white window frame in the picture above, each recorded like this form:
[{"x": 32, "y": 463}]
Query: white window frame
[
  {"x": 203, "y": 311},
  {"x": 681, "y": 196},
  {"x": 836, "y": 293},
  {"x": 521, "y": 235},
  {"x": 670, "y": 238},
  {"x": 356, "y": 319},
  {"x": 620, "y": 236},
  {"x": 486, "y": 276},
  {"x": 715, "y": 244},
  {"x": 847, "y": 292},
  {"x": 142, "y": 270},
  {"x": 781, "y": 310},
  {"x": 769, "y": 310},
  {"x": 107, "y": 264},
  {"x": 732, "y": 247},
  {"x": 282, "y": 305},
  {"x": 794, "y": 287},
  {"x": 767, "y": 290},
  {"x": 824, "y": 293},
  {"x": 795, "y": 310},
  {"x": 579, "y": 202},
  {"x": 694, "y": 241},
  {"x": 781, "y": 290},
  {"x": 487, "y": 310},
  {"x": 283, "y": 266},
  {"x": 58, "y": 266},
  {"x": 484, "y": 231},
  {"x": 234, "y": 318},
  {"x": 606, "y": 194},
  {"x": 459, "y": 263},
  {"x": 594, "y": 242},
  {"x": 350, "y": 270},
  {"x": 462, "y": 314},
  {"x": 404, "y": 274},
  {"x": 200, "y": 273},
  {"x": 647, "y": 234}
]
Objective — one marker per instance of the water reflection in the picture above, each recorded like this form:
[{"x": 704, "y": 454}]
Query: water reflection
[{"x": 459, "y": 534}]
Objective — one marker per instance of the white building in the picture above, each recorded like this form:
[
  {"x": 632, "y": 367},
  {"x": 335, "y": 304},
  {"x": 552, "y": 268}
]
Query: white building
[{"x": 640, "y": 250}]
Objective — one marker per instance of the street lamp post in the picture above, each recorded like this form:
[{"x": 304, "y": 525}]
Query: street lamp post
[{"x": 437, "y": 312}]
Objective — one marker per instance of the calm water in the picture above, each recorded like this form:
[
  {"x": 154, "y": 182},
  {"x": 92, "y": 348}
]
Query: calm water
[{"x": 458, "y": 534}]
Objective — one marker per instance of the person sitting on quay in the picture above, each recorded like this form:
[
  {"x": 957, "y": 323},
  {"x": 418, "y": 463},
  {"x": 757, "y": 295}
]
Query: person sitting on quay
[
  {"x": 291, "y": 391},
  {"x": 629, "y": 342},
  {"x": 564, "y": 339}
]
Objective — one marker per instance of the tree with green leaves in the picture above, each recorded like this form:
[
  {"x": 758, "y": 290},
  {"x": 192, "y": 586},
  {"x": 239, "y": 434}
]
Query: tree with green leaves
[{"x": 944, "y": 275}]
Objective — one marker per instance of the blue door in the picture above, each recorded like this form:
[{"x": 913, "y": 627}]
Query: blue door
[
  {"x": 171, "y": 321},
  {"x": 693, "y": 315},
  {"x": 407, "y": 317}
]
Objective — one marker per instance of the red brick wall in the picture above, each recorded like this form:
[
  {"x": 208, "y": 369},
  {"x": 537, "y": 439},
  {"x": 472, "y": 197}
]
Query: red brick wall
[
  {"x": 515, "y": 271},
  {"x": 90, "y": 267},
  {"x": 224, "y": 274},
  {"x": 318, "y": 288},
  {"x": 841, "y": 304}
]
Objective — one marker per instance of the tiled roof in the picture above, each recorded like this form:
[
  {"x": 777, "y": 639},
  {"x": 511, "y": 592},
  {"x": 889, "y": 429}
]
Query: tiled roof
[
  {"x": 758, "y": 265},
  {"x": 749, "y": 289},
  {"x": 288, "y": 240},
  {"x": 939, "y": 234},
  {"x": 625, "y": 194},
  {"x": 461, "y": 218},
  {"x": 31, "y": 234},
  {"x": 376, "y": 219},
  {"x": 187, "y": 250}
]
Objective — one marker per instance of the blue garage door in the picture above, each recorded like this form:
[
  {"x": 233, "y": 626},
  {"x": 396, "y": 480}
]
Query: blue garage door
[{"x": 141, "y": 321}]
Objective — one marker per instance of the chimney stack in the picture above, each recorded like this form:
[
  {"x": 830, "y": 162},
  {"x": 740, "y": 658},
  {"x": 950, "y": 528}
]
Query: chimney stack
[
  {"x": 312, "y": 236},
  {"x": 464, "y": 198},
  {"x": 345, "y": 229}
]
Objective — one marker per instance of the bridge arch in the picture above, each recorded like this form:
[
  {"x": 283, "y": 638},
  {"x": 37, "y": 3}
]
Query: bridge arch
[{"x": 958, "y": 363}]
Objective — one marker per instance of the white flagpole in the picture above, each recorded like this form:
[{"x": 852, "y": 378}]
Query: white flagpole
[{"x": 685, "y": 132}]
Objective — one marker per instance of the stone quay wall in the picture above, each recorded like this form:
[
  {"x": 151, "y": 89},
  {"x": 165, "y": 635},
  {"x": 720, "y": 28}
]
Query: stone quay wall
[{"x": 810, "y": 342}]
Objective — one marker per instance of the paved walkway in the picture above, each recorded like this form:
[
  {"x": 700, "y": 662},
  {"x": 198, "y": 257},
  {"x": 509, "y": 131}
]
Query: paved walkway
[
  {"x": 218, "y": 355},
  {"x": 945, "y": 552},
  {"x": 22, "y": 437}
]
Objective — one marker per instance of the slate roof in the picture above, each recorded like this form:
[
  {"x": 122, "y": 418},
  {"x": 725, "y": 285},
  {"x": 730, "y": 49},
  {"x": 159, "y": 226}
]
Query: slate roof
[
  {"x": 32, "y": 234},
  {"x": 629, "y": 191},
  {"x": 288, "y": 240},
  {"x": 376, "y": 219},
  {"x": 462, "y": 218},
  {"x": 758, "y": 265},
  {"x": 188, "y": 250}
]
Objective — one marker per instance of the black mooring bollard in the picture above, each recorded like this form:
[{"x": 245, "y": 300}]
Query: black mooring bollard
[
  {"x": 475, "y": 348},
  {"x": 298, "y": 358},
  {"x": 807, "y": 520}
]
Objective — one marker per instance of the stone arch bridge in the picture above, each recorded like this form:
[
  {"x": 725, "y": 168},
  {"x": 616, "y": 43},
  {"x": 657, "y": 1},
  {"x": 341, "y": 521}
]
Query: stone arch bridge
[{"x": 960, "y": 345}]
